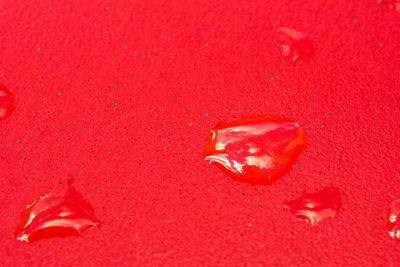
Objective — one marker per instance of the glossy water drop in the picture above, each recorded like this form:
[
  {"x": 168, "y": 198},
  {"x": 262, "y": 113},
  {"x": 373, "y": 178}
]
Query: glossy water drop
[
  {"x": 7, "y": 103},
  {"x": 60, "y": 213},
  {"x": 257, "y": 149},
  {"x": 392, "y": 4},
  {"x": 316, "y": 207},
  {"x": 393, "y": 220},
  {"x": 295, "y": 44}
]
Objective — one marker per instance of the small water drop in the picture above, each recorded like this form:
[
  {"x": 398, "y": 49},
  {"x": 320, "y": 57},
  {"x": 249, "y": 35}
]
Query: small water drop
[
  {"x": 60, "y": 213},
  {"x": 255, "y": 149},
  {"x": 7, "y": 103},
  {"x": 316, "y": 207},
  {"x": 392, "y": 4},
  {"x": 295, "y": 44},
  {"x": 393, "y": 220}
]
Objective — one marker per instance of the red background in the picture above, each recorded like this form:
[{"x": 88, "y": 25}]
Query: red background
[{"x": 107, "y": 90}]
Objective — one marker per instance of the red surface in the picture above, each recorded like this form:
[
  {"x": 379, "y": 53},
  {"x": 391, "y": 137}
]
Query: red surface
[
  {"x": 60, "y": 213},
  {"x": 255, "y": 149},
  {"x": 122, "y": 95},
  {"x": 316, "y": 207}
]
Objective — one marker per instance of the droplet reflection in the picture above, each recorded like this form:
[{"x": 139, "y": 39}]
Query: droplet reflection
[{"x": 316, "y": 207}]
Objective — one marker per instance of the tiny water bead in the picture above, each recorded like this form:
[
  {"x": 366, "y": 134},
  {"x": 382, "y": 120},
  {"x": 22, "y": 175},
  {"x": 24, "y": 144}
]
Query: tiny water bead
[
  {"x": 393, "y": 220},
  {"x": 255, "y": 149},
  {"x": 316, "y": 207},
  {"x": 392, "y": 4},
  {"x": 60, "y": 213},
  {"x": 7, "y": 103},
  {"x": 295, "y": 44}
]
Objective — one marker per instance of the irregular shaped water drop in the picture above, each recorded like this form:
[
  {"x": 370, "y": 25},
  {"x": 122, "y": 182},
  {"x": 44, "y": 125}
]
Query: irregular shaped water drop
[
  {"x": 316, "y": 207},
  {"x": 256, "y": 149},
  {"x": 7, "y": 103},
  {"x": 393, "y": 220},
  {"x": 295, "y": 44},
  {"x": 57, "y": 214}
]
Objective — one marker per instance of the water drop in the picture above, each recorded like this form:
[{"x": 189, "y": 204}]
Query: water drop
[
  {"x": 255, "y": 149},
  {"x": 316, "y": 207},
  {"x": 295, "y": 44},
  {"x": 60, "y": 213},
  {"x": 393, "y": 220},
  {"x": 392, "y": 4},
  {"x": 7, "y": 103}
]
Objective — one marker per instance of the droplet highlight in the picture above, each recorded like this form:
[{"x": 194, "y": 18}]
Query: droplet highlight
[
  {"x": 392, "y": 4},
  {"x": 393, "y": 220},
  {"x": 7, "y": 103},
  {"x": 316, "y": 207},
  {"x": 295, "y": 45},
  {"x": 61, "y": 213},
  {"x": 257, "y": 149}
]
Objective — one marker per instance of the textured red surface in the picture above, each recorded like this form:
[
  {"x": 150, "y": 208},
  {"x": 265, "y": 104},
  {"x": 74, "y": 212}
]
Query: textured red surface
[{"x": 122, "y": 95}]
